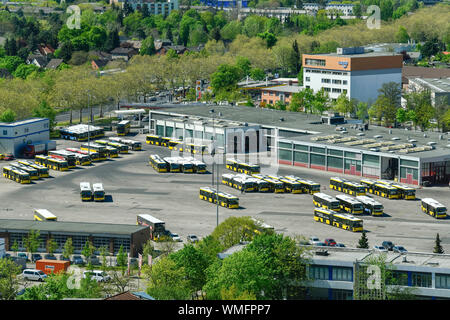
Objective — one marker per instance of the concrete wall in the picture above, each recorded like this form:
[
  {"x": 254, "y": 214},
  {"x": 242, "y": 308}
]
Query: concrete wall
[{"x": 364, "y": 85}]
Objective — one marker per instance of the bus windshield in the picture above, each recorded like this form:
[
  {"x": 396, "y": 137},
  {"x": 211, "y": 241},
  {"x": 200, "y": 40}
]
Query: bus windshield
[
  {"x": 358, "y": 206},
  {"x": 315, "y": 187}
]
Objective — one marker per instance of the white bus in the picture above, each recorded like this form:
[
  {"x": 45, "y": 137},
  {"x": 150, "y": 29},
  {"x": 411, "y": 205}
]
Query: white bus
[
  {"x": 99, "y": 192},
  {"x": 44, "y": 215},
  {"x": 85, "y": 191},
  {"x": 157, "y": 227}
]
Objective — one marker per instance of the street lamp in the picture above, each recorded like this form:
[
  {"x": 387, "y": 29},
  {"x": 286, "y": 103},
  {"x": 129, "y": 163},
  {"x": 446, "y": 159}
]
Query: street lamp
[{"x": 213, "y": 153}]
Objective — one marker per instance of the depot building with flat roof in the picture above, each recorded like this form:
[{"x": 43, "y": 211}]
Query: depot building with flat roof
[
  {"x": 324, "y": 143},
  {"x": 112, "y": 236}
]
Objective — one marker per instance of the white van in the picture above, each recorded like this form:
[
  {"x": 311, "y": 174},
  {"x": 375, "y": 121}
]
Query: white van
[
  {"x": 33, "y": 274},
  {"x": 97, "y": 275}
]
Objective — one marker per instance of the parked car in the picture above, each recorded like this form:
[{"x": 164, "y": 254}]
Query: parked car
[
  {"x": 8, "y": 157},
  {"x": 175, "y": 237},
  {"x": 388, "y": 245},
  {"x": 35, "y": 257},
  {"x": 22, "y": 255},
  {"x": 97, "y": 275},
  {"x": 62, "y": 258},
  {"x": 94, "y": 260},
  {"x": 34, "y": 274},
  {"x": 192, "y": 238},
  {"x": 50, "y": 257},
  {"x": 77, "y": 260},
  {"x": 330, "y": 242},
  {"x": 314, "y": 240},
  {"x": 380, "y": 249},
  {"x": 340, "y": 245},
  {"x": 399, "y": 249},
  {"x": 320, "y": 244}
]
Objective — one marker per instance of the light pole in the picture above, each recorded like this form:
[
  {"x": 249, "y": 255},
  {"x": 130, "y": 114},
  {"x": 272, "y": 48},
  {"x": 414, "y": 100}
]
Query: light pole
[
  {"x": 213, "y": 153},
  {"x": 89, "y": 125}
]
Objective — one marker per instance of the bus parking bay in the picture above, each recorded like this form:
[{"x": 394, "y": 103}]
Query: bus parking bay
[{"x": 137, "y": 189}]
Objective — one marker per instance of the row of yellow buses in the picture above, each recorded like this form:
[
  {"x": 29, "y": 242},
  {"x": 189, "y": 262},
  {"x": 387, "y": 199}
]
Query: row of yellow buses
[
  {"x": 224, "y": 199},
  {"x": 97, "y": 193},
  {"x": 245, "y": 183},
  {"x": 348, "y": 204},
  {"x": 339, "y": 220},
  {"x": 16, "y": 175},
  {"x": 176, "y": 145},
  {"x": 42, "y": 170},
  {"x": 242, "y": 167},
  {"x": 52, "y": 163},
  {"x": 176, "y": 164},
  {"x": 346, "y": 186},
  {"x": 389, "y": 189}
]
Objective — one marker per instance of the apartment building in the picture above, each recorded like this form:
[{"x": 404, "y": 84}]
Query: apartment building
[
  {"x": 284, "y": 94},
  {"x": 153, "y": 7},
  {"x": 352, "y": 71}
]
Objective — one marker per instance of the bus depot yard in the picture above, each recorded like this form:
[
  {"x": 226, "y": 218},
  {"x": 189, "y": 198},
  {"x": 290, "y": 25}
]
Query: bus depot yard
[{"x": 174, "y": 198}]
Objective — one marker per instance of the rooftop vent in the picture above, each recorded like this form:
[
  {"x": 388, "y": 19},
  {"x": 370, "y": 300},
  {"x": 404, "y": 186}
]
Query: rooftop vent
[
  {"x": 412, "y": 140},
  {"x": 378, "y": 136},
  {"x": 375, "y": 149},
  {"x": 395, "y": 138},
  {"x": 361, "y": 134}
]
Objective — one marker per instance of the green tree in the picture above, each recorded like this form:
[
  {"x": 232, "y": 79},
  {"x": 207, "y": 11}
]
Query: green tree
[
  {"x": 87, "y": 252},
  {"x": 68, "y": 248},
  {"x": 122, "y": 259},
  {"x": 233, "y": 294},
  {"x": 10, "y": 63},
  {"x": 257, "y": 74},
  {"x": 269, "y": 37},
  {"x": 104, "y": 253},
  {"x": 234, "y": 230},
  {"x": 225, "y": 78},
  {"x": 24, "y": 70},
  {"x": 44, "y": 110},
  {"x": 148, "y": 249},
  {"x": 148, "y": 46},
  {"x": 362, "y": 110},
  {"x": 437, "y": 245},
  {"x": 402, "y": 35},
  {"x": 167, "y": 281},
  {"x": 15, "y": 247},
  {"x": 363, "y": 241},
  {"x": 32, "y": 241},
  {"x": 244, "y": 66},
  {"x": 9, "y": 281},
  {"x": 51, "y": 246}
]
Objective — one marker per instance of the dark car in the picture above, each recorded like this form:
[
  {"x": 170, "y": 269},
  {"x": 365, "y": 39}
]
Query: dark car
[
  {"x": 340, "y": 245},
  {"x": 49, "y": 257},
  {"x": 94, "y": 260},
  {"x": 8, "y": 157},
  {"x": 35, "y": 257},
  {"x": 77, "y": 260},
  {"x": 330, "y": 242},
  {"x": 23, "y": 255},
  {"x": 399, "y": 249},
  {"x": 388, "y": 245},
  {"x": 62, "y": 258}
]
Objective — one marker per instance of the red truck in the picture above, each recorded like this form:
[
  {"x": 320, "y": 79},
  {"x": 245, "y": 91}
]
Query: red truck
[
  {"x": 31, "y": 150},
  {"x": 52, "y": 266}
]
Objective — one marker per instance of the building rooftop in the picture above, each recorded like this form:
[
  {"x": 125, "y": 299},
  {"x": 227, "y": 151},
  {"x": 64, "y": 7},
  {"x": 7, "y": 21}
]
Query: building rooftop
[
  {"x": 72, "y": 227},
  {"x": 434, "y": 84},
  {"x": 21, "y": 122},
  {"x": 423, "y": 72},
  {"x": 299, "y": 126},
  {"x": 290, "y": 89},
  {"x": 358, "y": 55}
]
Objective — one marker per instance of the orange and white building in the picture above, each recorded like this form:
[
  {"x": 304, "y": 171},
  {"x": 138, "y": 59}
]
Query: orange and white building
[{"x": 352, "y": 71}]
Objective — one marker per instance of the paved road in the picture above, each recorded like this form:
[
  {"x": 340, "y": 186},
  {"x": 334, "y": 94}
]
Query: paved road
[{"x": 135, "y": 188}]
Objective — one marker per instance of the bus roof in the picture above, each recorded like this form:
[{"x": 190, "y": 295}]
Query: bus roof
[
  {"x": 45, "y": 213},
  {"x": 326, "y": 211},
  {"x": 368, "y": 200},
  {"x": 97, "y": 187},
  {"x": 338, "y": 179},
  {"x": 85, "y": 186},
  {"x": 346, "y": 216},
  {"x": 324, "y": 196},
  {"x": 124, "y": 122},
  {"x": 432, "y": 202},
  {"x": 347, "y": 198},
  {"x": 150, "y": 218},
  {"x": 369, "y": 181}
]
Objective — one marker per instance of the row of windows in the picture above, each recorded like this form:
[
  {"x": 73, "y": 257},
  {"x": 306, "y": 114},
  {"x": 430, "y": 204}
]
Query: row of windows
[
  {"x": 337, "y": 273},
  {"x": 326, "y": 72},
  {"x": 25, "y": 130},
  {"x": 315, "y": 62},
  {"x": 334, "y": 81}
]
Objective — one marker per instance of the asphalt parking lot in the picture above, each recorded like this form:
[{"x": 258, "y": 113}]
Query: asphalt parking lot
[{"x": 134, "y": 187}]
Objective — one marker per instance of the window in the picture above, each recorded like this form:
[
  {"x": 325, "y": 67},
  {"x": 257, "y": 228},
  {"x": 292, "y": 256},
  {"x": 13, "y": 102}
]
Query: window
[
  {"x": 345, "y": 91},
  {"x": 317, "y": 159},
  {"x": 308, "y": 79},
  {"x": 336, "y": 90},
  {"x": 318, "y": 272},
  {"x": 350, "y": 155},
  {"x": 169, "y": 131},
  {"x": 307, "y": 87},
  {"x": 317, "y": 150},
  {"x": 26, "y": 130},
  {"x": 443, "y": 281},
  {"x": 371, "y": 160},
  {"x": 324, "y": 80},
  {"x": 159, "y": 130},
  {"x": 337, "y": 81},
  {"x": 5, "y": 132},
  {"x": 344, "y": 81},
  {"x": 285, "y": 154},
  {"x": 326, "y": 89},
  {"x": 335, "y": 152},
  {"x": 334, "y": 162},
  {"x": 421, "y": 279},
  {"x": 342, "y": 274},
  {"x": 300, "y": 157},
  {"x": 284, "y": 145},
  {"x": 408, "y": 163},
  {"x": 315, "y": 62},
  {"x": 300, "y": 147}
]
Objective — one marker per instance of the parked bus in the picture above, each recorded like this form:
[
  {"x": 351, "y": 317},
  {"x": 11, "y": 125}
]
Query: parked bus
[
  {"x": 275, "y": 186},
  {"x": 153, "y": 139},
  {"x": 64, "y": 155},
  {"x": 406, "y": 192},
  {"x": 232, "y": 164},
  {"x": 33, "y": 173},
  {"x": 311, "y": 187},
  {"x": 173, "y": 164},
  {"x": 158, "y": 164},
  {"x": 262, "y": 185},
  {"x": 121, "y": 148},
  {"x": 195, "y": 148},
  {"x": 112, "y": 152},
  {"x": 337, "y": 184},
  {"x": 99, "y": 192},
  {"x": 346, "y": 186},
  {"x": 339, "y": 220},
  {"x": 386, "y": 191},
  {"x": 199, "y": 166},
  {"x": 157, "y": 227},
  {"x": 133, "y": 145},
  {"x": 244, "y": 184},
  {"x": 185, "y": 165},
  {"x": 249, "y": 168},
  {"x": 123, "y": 127},
  {"x": 85, "y": 191},
  {"x": 99, "y": 149},
  {"x": 350, "y": 204},
  {"x": 371, "y": 206},
  {"x": 42, "y": 170},
  {"x": 52, "y": 163},
  {"x": 292, "y": 186},
  {"x": 434, "y": 208},
  {"x": 16, "y": 175},
  {"x": 225, "y": 200},
  {"x": 369, "y": 184},
  {"x": 227, "y": 179},
  {"x": 176, "y": 145},
  {"x": 93, "y": 156},
  {"x": 326, "y": 201},
  {"x": 44, "y": 215}
]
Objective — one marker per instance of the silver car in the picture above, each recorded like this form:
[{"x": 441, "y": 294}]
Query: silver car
[{"x": 34, "y": 274}]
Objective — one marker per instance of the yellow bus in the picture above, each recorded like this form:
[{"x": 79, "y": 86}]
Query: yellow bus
[
  {"x": 292, "y": 186},
  {"x": 85, "y": 191},
  {"x": 369, "y": 184},
  {"x": 326, "y": 201},
  {"x": 434, "y": 208},
  {"x": 99, "y": 149},
  {"x": 311, "y": 187},
  {"x": 371, "y": 206},
  {"x": 232, "y": 164},
  {"x": 132, "y": 144},
  {"x": 121, "y": 148},
  {"x": 346, "y": 186},
  {"x": 225, "y": 200},
  {"x": 158, "y": 164},
  {"x": 123, "y": 127},
  {"x": 98, "y": 192},
  {"x": 386, "y": 191},
  {"x": 350, "y": 204},
  {"x": 52, "y": 163},
  {"x": 249, "y": 168},
  {"x": 172, "y": 164},
  {"x": 34, "y": 173},
  {"x": 16, "y": 175},
  {"x": 42, "y": 170},
  {"x": 44, "y": 215},
  {"x": 337, "y": 184},
  {"x": 338, "y": 220},
  {"x": 275, "y": 185},
  {"x": 406, "y": 192}
]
